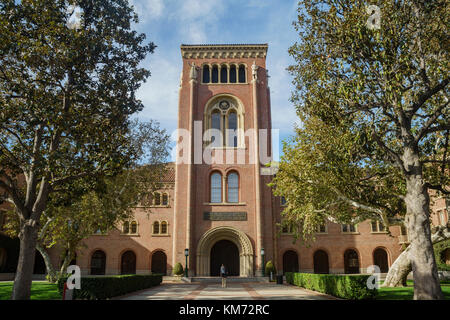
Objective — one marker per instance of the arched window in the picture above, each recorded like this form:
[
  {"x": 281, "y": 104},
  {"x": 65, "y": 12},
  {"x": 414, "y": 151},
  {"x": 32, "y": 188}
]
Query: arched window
[
  {"x": 133, "y": 227},
  {"x": 216, "y": 187},
  {"x": 98, "y": 262},
  {"x": 165, "y": 199},
  {"x": 224, "y": 74},
  {"x": 206, "y": 78},
  {"x": 216, "y": 138},
  {"x": 164, "y": 227},
  {"x": 126, "y": 227},
  {"x": 242, "y": 74},
  {"x": 156, "y": 227},
  {"x": 232, "y": 139},
  {"x": 215, "y": 74},
  {"x": 157, "y": 198},
  {"x": 233, "y": 187},
  {"x": 233, "y": 78}
]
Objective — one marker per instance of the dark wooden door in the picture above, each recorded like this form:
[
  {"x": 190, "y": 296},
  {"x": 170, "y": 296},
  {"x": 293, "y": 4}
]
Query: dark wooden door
[
  {"x": 351, "y": 261},
  {"x": 98, "y": 262},
  {"x": 380, "y": 259},
  {"x": 159, "y": 262},
  {"x": 321, "y": 262},
  {"x": 224, "y": 252},
  {"x": 128, "y": 265},
  {"x": 290, "y": 261}
]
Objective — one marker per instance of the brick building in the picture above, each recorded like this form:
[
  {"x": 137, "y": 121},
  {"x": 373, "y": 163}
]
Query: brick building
[{"x": 215, "y": 201}]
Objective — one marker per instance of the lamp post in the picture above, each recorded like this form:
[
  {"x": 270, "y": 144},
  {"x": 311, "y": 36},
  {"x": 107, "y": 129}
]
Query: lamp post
[
  {"x": 262, "y": 256},
  {"x": 186, "y": 254}
]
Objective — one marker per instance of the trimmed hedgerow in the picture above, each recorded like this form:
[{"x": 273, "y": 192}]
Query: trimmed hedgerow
[
  {"x": 352, "y": 287},
  {"x": 439, "y": 249},
  {"x": 104, "y": 287}
]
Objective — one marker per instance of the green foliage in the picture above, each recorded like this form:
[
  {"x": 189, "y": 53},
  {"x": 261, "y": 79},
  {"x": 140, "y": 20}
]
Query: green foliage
[
  {"x": 372, "y": 105},
  {"x": 39, "y": 291},
  {"x": 94, "y": 288},
  {"x": 270, "y": 267},
  {"x": 352, "y": 287},
  {"x": 439, "y": 249},
  {"x": 178, "y": 269}
]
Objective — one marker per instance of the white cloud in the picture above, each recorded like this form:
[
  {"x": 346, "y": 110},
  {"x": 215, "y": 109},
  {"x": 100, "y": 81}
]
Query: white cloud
[{"x": 148, "y": 9}]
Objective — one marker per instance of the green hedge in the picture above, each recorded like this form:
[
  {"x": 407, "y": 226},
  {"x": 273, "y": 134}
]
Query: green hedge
[
  {"x": 104, "y": 287},
  {"x": 438, "y": 251},
  {"x": 342, "y": 286}
]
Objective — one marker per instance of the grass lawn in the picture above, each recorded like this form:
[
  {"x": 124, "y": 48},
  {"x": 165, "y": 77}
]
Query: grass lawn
[
  {"x": 407, "y": 293},
  {"x": 40, "y": 290}
]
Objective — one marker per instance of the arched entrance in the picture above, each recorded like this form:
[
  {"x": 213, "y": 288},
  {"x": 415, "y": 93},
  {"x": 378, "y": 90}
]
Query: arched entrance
[
  {"x": 445, "y": 256},
  {"x": 237, "y": 237},
  {"x": 98, "y": 262},
  {"x": 39, "y": 264},
  {"x": 3, "y": 257},
  {"x": 128, "y": 263},
  {"x": 321, "y": 262},
  {"x": 380, "y": 259},
  {"x": 290, "y": 261},
  {"x": 159, "y": 262},
  {"x": 227, "y": 253},
  {"x": 351, "y": 261}
]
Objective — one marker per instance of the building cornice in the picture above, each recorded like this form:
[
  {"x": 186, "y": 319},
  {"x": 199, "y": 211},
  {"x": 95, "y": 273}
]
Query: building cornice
[{"x": 202, "y": 51}]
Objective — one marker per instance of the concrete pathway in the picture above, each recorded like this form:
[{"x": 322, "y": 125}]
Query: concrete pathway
[{"x": 234, "y": 291}]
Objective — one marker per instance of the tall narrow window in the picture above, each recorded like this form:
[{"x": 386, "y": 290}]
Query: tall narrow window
[
  {"x": 164, "y": 227},
  {"x": 165, "y": 199},
  {"x": 216, "y": 138},
  {"x": 233, "y": 74},
  {"x": 133, "y": 227},
  {"x": 126, "y": 227},
  {"x": 206, "y": 74},
  {"x": 216, "y": 187},
  {"x": 156, "y": 227},
  {"x": 224, "y": 74},
  {"x": 232, "y": 130},
  {"x": 215, "y": 74},
  {"x": 233, "y": 187},
  {"x": 157, "y": 199},
  {"x": 241, "y": 74}
]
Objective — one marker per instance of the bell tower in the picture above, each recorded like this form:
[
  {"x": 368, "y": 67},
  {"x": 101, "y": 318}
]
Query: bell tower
[{"x": 222, "y": 201}]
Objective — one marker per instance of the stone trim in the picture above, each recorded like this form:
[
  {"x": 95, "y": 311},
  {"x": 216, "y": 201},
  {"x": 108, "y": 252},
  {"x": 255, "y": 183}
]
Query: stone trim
[{"x": 224, "y": 51}]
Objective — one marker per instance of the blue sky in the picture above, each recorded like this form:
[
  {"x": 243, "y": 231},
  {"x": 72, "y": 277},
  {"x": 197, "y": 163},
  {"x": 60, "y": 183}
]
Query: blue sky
[{"x": 169, "y": 23}]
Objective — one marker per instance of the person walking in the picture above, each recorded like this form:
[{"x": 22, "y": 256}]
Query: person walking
[{"x": 223, "y": 274}]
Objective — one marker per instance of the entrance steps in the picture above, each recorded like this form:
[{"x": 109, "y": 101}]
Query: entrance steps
[{"x": 229, "y": 279}]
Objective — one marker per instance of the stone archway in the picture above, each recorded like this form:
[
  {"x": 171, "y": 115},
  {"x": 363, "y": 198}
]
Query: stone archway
[{"x": 211, "y": 237}]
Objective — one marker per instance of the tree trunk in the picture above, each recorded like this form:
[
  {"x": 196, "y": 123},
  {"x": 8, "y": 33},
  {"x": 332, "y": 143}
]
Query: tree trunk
[
  {"x": 399, "y": 271},
  {"x": 421, "y": 253},
  {"x": 25, "y": 265},
  {"x": 51, "y": 272}
]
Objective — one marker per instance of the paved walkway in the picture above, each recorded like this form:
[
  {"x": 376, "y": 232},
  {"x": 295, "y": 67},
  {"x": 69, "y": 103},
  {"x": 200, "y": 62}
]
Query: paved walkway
[{"x": 234, "y": 291}]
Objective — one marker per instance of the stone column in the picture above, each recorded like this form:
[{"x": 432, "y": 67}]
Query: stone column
[{"x": 259, "y": 230}]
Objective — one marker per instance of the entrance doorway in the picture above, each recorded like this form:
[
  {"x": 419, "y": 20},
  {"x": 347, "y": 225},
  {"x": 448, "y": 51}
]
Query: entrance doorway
[
  {"x": 128, "y": 265},
  {"x": 321, "y": 262},
  {"x": 159, "y": 262},
  {"x": 380, "y": 259},
  {"x": 227, "y": 253},
  {"x": 290, "y": 261},
  {"x": 351, "y": 261}
]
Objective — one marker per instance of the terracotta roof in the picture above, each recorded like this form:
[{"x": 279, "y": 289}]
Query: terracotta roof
[{"x": 169, "y": 175}]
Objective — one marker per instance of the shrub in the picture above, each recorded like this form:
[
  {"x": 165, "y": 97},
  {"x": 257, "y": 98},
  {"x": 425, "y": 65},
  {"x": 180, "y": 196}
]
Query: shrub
[
  {"x": 352, "y": 287},
  {"x": 178, "y": 269},
  {"x": 104, "y": 287},
  {"x": 439, "y": 249},
  {"x": 270, "y": 268}
]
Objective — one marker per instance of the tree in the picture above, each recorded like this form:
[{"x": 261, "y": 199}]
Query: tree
[
  {"x": 82, "y": 211},
  {"x": 388, "y": 88},
  {"x": 66, "y": 98}
]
